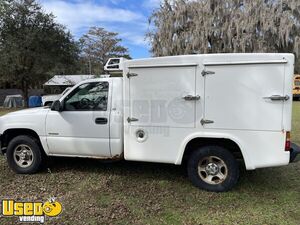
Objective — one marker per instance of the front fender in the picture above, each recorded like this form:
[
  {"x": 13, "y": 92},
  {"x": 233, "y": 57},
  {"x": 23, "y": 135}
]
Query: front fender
[
  {"x": 33, "y": 119},
  {"x": 29, "y": 120}
]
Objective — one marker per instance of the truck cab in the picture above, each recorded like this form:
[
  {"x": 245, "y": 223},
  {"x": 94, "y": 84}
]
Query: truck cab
[
  {"x": 88, "y": 121},
  {"x": 85, "y": 122}
]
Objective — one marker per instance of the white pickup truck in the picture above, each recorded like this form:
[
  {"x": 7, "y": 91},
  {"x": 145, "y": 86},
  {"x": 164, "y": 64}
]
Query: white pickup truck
[{"x": 209, "y": 112}]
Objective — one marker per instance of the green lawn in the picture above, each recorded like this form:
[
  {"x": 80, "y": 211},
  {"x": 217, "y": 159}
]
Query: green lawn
[
  {"x": 141, "y": 193},
  {"x": 4, "y": 111},
  {"x": 296, "y": 122}
]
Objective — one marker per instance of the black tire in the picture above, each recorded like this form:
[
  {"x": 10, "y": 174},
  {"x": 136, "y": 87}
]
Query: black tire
[
  {"x": 201, "y": 179},
  {"x": 33, "y": 145}
]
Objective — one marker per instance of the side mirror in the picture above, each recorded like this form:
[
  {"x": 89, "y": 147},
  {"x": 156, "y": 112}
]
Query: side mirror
[{"x": 57, "y": 106}]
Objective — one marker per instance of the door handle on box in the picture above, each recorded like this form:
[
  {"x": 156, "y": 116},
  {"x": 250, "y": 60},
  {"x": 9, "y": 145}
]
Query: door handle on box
[
  {"x": 204, "y": 121},
  {"x": 278, "y": 98},
  {"x": 129, "y": 120},
  {"x": 191, "y": 98}
]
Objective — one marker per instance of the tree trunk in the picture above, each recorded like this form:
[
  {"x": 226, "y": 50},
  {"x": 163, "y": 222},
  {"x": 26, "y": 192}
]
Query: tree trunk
[{"x": 25, "y": 92}]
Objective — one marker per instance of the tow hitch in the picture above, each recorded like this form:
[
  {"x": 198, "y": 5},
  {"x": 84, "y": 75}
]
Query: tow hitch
[{"x": 295, "y": 150}]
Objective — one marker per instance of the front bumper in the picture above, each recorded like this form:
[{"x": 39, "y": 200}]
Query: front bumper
[{"x": 295, "y": 150}]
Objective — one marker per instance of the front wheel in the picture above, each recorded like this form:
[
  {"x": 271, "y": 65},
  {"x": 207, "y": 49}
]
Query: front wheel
[
  {"x": 213, "y": 168},
  {"x": 24, "y": 155}
]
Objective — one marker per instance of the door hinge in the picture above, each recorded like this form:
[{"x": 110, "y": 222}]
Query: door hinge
[
  {"x": 129, "y": 120},
  {"x": 131, "y": 75},
  {"x": 203, "y": 122},
  {"x": 204, "y": 73},
  {"x": 191, "y": 98}
]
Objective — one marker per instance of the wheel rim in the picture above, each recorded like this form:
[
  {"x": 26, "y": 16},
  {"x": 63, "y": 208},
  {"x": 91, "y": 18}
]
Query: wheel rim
[
  {"x": 212, "y": 170},
  {"x": 23, "y": 156}
]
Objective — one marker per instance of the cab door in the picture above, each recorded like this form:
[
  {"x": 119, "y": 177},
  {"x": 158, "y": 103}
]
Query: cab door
[{"x": 82, "y": 128}]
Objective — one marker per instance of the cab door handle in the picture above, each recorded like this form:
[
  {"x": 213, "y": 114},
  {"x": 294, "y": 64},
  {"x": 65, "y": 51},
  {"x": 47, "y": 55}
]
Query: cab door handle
[{"x": 101, "y": 120}]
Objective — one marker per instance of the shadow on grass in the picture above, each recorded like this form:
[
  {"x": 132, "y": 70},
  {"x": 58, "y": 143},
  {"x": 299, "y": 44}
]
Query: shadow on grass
[
  {"x": 269, "y": 179},
  {"x": 128, "y": 168}
]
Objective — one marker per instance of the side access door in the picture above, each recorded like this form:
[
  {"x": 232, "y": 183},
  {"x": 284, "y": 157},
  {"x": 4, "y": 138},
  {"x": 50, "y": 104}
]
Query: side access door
[
  {"x": 245, "y": 96},
  {"x": 161, "y": 110},
  {"x": 82, "y": 128}
]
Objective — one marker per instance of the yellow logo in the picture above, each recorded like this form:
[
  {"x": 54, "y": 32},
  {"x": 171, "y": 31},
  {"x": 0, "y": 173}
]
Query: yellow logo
[
  {"x": 52, "y": 208},
  {"x": 31, "y": 211}
]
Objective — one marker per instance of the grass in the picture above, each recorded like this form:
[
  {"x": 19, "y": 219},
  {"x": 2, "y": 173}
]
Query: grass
[
  {"x": 93, "y": 192},
  {"x": 4, "y": 111}
]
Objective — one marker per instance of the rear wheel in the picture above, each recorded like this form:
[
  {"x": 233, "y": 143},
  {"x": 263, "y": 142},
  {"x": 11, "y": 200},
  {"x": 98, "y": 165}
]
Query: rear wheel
[
  {"x": 213, "y": 168},
  {"x": 24, "y": 155}
]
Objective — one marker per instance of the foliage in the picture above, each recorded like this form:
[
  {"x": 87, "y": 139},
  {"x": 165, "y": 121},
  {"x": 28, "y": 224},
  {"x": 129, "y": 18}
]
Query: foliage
[
  {"x": 211, "y": 26},
  {"x": 97, "y": 46},
  {"x": 31, "y": 44}
]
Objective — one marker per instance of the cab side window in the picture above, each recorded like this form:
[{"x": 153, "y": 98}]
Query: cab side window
[{"x": 88, "y": 97}]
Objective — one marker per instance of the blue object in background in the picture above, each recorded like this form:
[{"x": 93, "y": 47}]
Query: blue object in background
[{"x": 35, "y": 101}]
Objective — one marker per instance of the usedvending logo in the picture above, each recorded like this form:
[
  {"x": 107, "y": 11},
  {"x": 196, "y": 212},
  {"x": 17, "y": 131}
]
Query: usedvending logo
[{"x": 31, "y": 211}]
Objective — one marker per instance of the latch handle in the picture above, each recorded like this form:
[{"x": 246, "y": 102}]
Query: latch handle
[
  {"x": 205, "y": 72},
  {"x": 191, "y": 98},
  {"x": 131, "y": 75},
  {"x": 129, "y": 120},
  {"x": 278, "y": 98},
  {"x": 203, "y": 122}
]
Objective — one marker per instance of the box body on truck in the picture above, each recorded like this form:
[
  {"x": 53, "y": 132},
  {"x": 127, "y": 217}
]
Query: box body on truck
[
  {"x": 209, "y": 112},
  {"x": 242, "y": 98}
]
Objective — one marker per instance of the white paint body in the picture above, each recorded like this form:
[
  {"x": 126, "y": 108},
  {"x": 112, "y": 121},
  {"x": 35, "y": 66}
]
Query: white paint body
[{"x": 233, "y": 97}]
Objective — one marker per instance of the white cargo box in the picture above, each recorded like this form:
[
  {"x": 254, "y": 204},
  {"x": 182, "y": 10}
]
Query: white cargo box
[{"x": 171, "y": 100}]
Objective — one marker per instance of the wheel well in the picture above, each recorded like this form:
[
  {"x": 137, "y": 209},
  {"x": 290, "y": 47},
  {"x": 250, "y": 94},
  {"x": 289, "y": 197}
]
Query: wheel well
[
  {"x": 222, "y": 142},
  {"x": 9, "y": 134}
]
